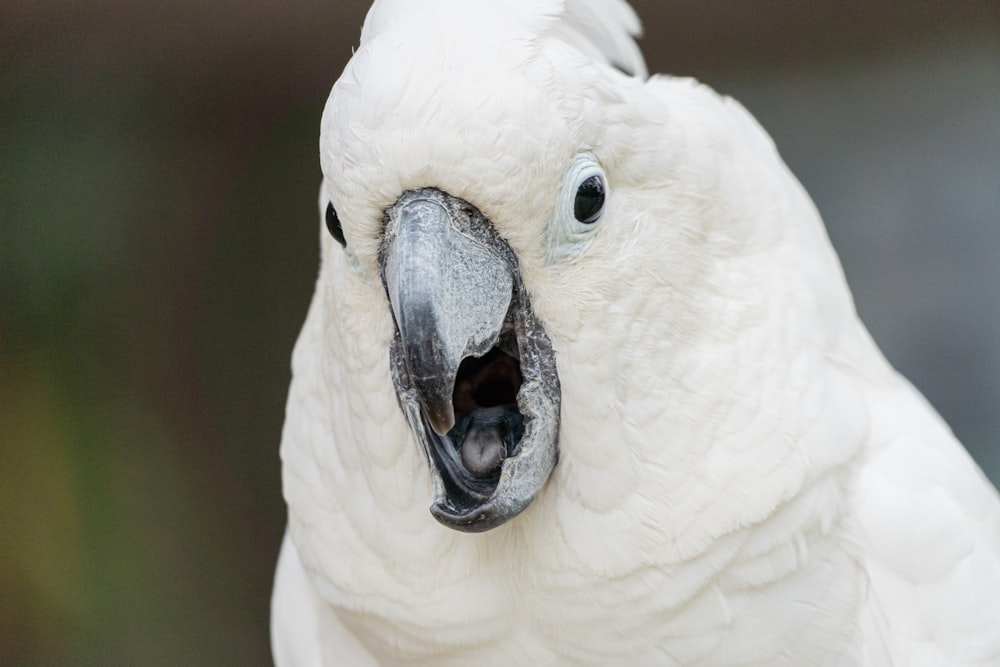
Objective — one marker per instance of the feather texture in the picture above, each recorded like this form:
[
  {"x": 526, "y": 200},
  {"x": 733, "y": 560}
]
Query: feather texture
[
  {"x": 606, "y": 30},
  {"x": 743, "y": 478}
]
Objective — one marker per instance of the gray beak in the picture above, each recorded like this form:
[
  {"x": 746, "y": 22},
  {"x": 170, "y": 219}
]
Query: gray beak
[
  {"x": 449, "y": 294},
  {"x": 474, "y": 370}
]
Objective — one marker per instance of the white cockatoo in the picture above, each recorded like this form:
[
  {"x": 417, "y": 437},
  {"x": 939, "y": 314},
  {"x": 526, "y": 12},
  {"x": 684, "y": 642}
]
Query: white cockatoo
[{"x": 590, "y": 319}]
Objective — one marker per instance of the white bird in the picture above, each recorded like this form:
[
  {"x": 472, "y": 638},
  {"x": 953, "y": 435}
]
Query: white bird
[{"x": 538, "y": 253}]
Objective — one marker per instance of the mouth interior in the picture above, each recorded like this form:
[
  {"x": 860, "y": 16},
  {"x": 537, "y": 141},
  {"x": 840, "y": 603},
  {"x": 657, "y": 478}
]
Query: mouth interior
[
  {"x": 487, "y": 381},
  {"x": 488, "y": 424}
]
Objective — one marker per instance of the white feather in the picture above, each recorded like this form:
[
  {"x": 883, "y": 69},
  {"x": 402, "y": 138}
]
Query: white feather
[
  {"x": 605, "y": 30},
  {"x": 743, "y": 478}
]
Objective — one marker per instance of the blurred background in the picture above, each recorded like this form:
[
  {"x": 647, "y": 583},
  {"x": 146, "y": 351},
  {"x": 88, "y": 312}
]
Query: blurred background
[{"x": 158, "y": 247}]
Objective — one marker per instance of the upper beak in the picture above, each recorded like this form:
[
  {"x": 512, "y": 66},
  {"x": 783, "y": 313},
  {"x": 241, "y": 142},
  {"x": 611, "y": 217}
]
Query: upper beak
[
  {"x": 463, "y": 318},
  {"x": 449, "y": 293}
]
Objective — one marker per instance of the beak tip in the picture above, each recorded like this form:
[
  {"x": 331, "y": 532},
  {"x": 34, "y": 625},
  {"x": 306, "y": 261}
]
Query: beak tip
[
  {"x": 441, "y": 420},
  {"x": 434, "y": 395}
]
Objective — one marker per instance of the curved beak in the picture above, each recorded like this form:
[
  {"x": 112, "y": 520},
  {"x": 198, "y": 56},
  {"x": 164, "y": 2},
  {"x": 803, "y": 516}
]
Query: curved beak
[
  {"x": 473, "y": 368},
  {"x": 449, "y": 294}
]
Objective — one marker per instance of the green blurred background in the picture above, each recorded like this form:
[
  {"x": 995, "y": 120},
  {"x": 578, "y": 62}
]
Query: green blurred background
[{"x": 158, "y": 228}]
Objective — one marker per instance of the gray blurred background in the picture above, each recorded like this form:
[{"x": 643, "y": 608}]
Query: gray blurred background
[{"x": 158, "y": 226}]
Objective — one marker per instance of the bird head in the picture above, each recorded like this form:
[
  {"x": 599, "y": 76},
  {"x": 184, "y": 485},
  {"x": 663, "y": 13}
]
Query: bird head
[{"x": 534, "y": 241}]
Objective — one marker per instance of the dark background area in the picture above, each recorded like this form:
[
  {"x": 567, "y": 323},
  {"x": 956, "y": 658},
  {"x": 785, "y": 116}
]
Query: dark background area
[{"x": 158, "y": 247}]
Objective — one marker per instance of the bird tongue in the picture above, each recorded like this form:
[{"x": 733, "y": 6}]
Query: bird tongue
[
  {"x": 488, "y": 424},
  {"x": 486, "y": 436}
]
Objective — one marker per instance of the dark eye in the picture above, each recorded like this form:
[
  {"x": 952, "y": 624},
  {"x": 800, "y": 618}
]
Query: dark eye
[
  {"x": 333, "y": 224},
  {"x": 589, "y": 200}
]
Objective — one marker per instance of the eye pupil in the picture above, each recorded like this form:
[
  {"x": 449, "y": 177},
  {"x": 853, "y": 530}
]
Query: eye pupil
[
  {"x": 589, "y": 200},
  {"x": 333, "y": 225}
]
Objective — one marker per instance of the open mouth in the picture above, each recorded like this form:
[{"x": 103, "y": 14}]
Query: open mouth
[
  {"x": 488, "y": 424},
  {"x": 473, "y": 368}
]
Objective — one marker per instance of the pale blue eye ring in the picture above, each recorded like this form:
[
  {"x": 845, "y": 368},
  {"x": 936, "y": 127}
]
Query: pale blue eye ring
[{"x": 583, "y": 201}]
